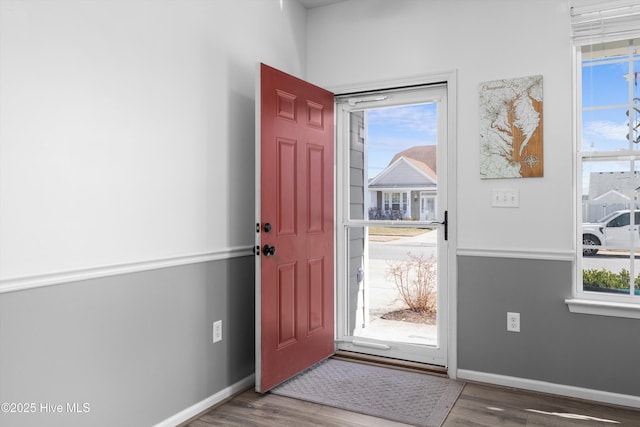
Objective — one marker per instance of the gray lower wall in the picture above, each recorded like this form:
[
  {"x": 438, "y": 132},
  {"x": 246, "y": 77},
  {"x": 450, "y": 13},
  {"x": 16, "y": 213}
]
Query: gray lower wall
[
  {"x": 137, "y": 347},
  {"x": 554, "y": 345}
]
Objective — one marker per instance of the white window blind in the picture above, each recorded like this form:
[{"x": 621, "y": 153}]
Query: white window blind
[{"x": 595, "y": 21}]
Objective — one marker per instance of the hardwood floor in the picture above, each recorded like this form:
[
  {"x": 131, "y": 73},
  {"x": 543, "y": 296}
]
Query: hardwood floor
[
  {"x": 270, "y": 410},
  {"x": 478, "y": 405},
  {"x": 486, "y": 405}
]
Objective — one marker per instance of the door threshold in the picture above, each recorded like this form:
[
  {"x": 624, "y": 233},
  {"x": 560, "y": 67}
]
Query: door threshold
[{"x": 406, "y": 365}]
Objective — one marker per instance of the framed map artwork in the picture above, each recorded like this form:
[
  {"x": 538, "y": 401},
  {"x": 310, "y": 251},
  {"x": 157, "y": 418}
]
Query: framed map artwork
[{"x": 511, "y": 128}]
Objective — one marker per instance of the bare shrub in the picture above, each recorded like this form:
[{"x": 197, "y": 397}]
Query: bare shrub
[{"x": 416, "y": 281}]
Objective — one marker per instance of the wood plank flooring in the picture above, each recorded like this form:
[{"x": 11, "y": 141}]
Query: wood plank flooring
[
  {"x": 486, "y": 405},
  {"x": 479, "y": 405}
]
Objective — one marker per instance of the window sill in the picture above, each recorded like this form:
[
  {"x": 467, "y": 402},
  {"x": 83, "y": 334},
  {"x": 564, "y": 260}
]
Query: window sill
[{"x": 603, "y": 308}]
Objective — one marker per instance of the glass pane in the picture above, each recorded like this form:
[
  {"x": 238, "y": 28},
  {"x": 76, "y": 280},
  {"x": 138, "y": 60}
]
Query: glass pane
[
  {"x": 611, "y": 225},
  {"x": 608, "y": 186},
  {"x": 605, "y": 84},
  {"x": 607, "y": 273},
  {"x": 610, "y": 95},
  {"x": 392, "y": 160},
  {"x": 392, "y": 285},
  {"x": 610, "y": 272},
  {"x": 608, "y": 130}
]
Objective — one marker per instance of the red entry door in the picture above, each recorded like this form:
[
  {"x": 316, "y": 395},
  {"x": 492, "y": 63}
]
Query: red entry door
[{"x": 295, "y": 233}]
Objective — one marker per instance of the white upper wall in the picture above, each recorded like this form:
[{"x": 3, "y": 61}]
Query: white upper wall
[
  {"x": 379, "y": 40},
  {"x": 127, "y": 127}
]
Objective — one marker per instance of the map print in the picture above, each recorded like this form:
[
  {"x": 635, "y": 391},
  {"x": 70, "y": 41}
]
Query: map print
[{"x": 511, "y": 128}]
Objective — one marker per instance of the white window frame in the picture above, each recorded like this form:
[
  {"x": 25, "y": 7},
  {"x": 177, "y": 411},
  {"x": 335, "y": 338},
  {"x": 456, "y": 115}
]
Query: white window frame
[
  {"x": 403, "y": 200},
  {"x": 593, "y": 23}
]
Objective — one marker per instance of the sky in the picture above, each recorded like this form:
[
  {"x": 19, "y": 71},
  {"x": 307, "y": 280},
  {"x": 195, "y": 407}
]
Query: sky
[
  {"x": 606, "y": 85},
  {"x": 393, "y": 129}
]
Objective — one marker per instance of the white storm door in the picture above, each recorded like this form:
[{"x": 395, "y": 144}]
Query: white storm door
[{"x": 367, "y": 249}]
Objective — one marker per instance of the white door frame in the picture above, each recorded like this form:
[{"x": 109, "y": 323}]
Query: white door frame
[{"x": 342, "y": 199}]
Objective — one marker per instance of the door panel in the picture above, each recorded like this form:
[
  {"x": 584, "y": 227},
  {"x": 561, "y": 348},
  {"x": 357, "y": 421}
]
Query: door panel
[
  {"x": 286, "y": 193},
  {"x": 294, "y": 281}
]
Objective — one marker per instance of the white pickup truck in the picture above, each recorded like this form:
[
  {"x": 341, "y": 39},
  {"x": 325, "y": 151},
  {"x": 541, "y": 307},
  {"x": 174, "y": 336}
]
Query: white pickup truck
[{"x": 614, "y": 231}]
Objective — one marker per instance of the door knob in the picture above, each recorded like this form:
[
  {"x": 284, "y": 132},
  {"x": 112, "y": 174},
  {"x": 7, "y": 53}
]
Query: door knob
[
  {"x": 269, "y": 250},
  {"x": 267, "y": 227}
]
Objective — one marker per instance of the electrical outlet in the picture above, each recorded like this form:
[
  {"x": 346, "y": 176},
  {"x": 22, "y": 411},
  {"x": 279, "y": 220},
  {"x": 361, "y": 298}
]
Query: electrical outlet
[
  {"x": 217, "y": 331},
  {"x": 513, "y": 322}
]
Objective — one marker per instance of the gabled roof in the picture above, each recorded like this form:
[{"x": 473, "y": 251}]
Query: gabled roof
[
  {"x": 422, "y": 153},
  {"x": 625, "y": 184},
  {"x": 423, "y": 167},
  {"x": 405, "y": 172},
  {"x": 612, "y": 196}
]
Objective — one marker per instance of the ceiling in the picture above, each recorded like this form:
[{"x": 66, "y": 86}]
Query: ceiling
[{"x": 310, "y": 4}]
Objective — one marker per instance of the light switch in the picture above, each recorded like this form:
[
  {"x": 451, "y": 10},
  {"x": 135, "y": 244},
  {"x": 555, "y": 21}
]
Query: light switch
[{"x": 505, "y": 198}]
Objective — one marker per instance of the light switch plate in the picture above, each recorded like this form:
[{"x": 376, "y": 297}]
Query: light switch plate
[{"x": 505, "y": 198}]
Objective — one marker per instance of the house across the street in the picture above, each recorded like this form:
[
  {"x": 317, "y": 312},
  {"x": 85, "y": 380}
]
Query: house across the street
[{"x": 406, "y": 189}]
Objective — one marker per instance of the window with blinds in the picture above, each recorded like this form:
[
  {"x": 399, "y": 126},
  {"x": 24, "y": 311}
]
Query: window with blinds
[
  {"x": 601, "y": 21},
  {"x": 606, "y": 39}
]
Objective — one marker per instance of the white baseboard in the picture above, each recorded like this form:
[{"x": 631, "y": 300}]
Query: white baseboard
[
  {"x": 205, "y": 404},
  {"x": 551, "y": 388}
]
